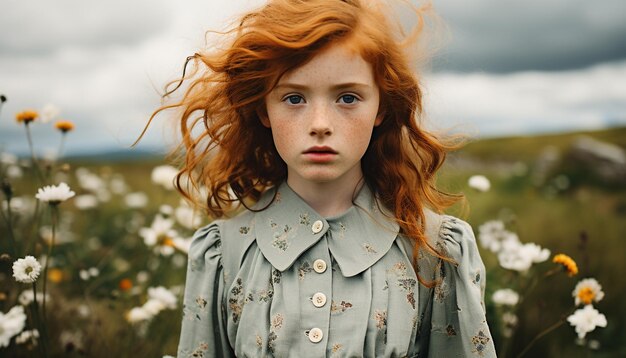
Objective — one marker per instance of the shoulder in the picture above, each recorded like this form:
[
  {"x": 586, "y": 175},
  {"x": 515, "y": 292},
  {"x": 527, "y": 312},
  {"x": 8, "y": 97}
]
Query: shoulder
[
  {"x": 226, "y": 238},
  {"x": 451, "y": 234}
]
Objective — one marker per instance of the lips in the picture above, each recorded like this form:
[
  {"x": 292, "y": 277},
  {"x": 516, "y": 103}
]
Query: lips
[{"x": 320, "y": 150}]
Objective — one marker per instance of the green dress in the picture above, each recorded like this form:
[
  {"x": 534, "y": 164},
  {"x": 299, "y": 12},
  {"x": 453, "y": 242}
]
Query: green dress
[{"x": 287, "y": 282}]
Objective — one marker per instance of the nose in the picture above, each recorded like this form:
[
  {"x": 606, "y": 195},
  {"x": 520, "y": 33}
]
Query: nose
[{"x": 320, "y": 121}]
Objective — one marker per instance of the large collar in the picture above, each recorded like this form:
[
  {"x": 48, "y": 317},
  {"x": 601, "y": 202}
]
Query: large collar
[{"x": 357, "y": 238}]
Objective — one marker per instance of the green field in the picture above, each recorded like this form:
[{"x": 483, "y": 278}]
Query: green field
[{"x": 562, "y": 206}]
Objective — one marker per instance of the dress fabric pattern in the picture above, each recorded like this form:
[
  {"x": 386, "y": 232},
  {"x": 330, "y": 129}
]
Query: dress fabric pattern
[{"x": 287, "y": 282}]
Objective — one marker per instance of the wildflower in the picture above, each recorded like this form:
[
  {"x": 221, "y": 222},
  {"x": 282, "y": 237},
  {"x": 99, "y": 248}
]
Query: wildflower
[
  {"x": 153, "y": 307},
  {"x": 8, "y": 158},
  {"x": 54, "y": 194},
  {"x": 588, "y": 290},
  {"x": 166, "y": 210},
  {"x": 84, "y": 311},
  {"x": 164, "y": 175},
  {"x": 137, "y": 315},
  {"x": 72, "y": 340},
  {"x": 187, "y": 216},
  {"x": 26, "y": 270},
  {"x": 479, "y": 183},
  {"x": 89, "y": 181},
  {"x": 85, "y": 201},
  {"x": 494, "y": 237},
  {"x": 164, "y": 296},
  {"x": 136, "y": 200},
  {"x": 26, "y": 116},
  {"x": 26, "y": 297},
  {"x": 160, "y": 235},
  {"x": 86, "y": 274},
  {"x": 27, "y": 337},
  {"x": 182, "y": 244},
  {"x": 64, "y": 126},
  {"x": 506, "y": 297},
  {"x": 535, "y": 253},
  {"x": 11, "y": 324},
  {"x": 125, "y": 284},
  {"x": 568, "y": 263},
  {"x": 49, "y": 113},
  {"x": 55, "y": 275},
  {"x": 586, "y": 320}
]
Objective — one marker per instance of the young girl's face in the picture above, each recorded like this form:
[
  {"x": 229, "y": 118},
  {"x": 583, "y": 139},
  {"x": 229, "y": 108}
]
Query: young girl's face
[{"x": 322, "y": 115}]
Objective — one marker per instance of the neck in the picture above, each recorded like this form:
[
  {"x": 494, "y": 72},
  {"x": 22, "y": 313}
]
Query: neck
[{"x": 327, "y": 198}]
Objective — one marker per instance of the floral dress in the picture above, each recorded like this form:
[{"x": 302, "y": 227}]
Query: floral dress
[{"x": 287, "y": 282}]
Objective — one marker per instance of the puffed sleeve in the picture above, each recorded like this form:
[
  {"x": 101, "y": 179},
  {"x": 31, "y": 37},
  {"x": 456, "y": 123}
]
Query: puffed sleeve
[
  {"x": 459, "y": 327},
  {"x": 203, "y": 332}
]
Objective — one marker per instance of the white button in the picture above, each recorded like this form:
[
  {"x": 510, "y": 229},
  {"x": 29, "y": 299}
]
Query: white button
[
  {"x": 317, "y": 226},
  {"x": 315, "y": 335},
  {"x": 319, "y": 299},
  {"x": 319, "y": 265}
]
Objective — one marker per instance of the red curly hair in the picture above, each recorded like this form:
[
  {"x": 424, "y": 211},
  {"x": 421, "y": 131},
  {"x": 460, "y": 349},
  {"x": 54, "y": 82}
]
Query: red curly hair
[{"x": 233, "y": 154}]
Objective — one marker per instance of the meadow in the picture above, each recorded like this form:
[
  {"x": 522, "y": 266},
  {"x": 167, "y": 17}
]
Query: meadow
[{"x": 119, "y": 245}]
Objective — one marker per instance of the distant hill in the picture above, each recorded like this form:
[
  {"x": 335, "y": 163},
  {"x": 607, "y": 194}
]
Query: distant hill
[{"x": 527, "y": 148}]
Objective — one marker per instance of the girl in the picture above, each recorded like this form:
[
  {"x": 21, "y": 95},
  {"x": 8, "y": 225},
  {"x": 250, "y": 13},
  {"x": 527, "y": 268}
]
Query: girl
[{"x": 309, "y": 124}]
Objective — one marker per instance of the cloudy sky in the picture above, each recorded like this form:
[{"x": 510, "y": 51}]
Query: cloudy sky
[{"x": 508, "y": 68}]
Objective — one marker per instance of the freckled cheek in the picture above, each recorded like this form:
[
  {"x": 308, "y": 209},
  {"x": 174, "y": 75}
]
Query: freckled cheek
[{"x": 285, "y": 139}]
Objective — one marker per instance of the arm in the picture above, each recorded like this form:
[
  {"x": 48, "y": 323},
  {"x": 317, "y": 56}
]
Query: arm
[{"x": 203, "y": 331}]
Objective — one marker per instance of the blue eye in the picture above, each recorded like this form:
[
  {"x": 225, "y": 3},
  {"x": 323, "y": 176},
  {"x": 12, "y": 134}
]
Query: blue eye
[
  {"x": 348, "y": 98},
  {"x": 294, "y": 99}
]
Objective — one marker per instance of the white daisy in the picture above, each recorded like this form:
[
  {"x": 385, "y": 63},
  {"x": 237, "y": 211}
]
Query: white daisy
[
  {"x": 27, "y": 336},
  {"x": 506, "y": 297},
  {"x": 54, "y": 194},
  {"x": 587, "y": 291},
  {"x": 26, "y": 270},
  {"x": 136, "y": 200},
  {"x": 86, "y": 201},
  {"x": 138, "y": 314},
  {"x": 586, "y": 320},
  {"x": 164, "y": 176},
  {"x": 160, "y": 235},
  {"x": 479, "y": 182},
  {"x": 49, "y": 113},
  {"x": 187, "y": 216},
  {"x": 11, "y": 324},
  {"x": 26, "y": 297},
  {"x": 163, "y": 295}
]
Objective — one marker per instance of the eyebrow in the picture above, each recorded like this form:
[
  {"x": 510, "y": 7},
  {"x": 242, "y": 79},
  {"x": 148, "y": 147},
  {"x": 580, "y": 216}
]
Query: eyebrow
[{"x": 339, "y": 86}]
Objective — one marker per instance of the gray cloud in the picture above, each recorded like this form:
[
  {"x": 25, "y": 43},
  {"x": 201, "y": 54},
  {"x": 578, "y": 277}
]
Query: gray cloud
[
  {"x": 40, "y": 27},
  {"x": 507, "y": 36}
]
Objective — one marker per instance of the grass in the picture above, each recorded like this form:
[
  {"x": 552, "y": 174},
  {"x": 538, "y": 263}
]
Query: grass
[{"x": 552, "y": 216}]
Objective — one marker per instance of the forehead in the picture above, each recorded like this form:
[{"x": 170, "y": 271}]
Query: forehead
[{"x": 338, "y": 63}]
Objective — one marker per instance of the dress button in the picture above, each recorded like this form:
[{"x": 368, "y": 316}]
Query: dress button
[
  {"x": 315, "y": 335},
  {"x": 319, "y": 265},
  {"x": 317, "y": 226},
  {"x": 319, "y": 299}
]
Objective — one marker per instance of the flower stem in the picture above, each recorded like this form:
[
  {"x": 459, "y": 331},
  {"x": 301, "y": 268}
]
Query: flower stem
[
  {"x": 49, "y": 257},
  {"x": 541, "y": 334},
  {"x": 41, "y": 324},
  {"x": 61, "y": 146},
  {"x": 32, "y": 153},
  {"x": 9, "y": 220}
]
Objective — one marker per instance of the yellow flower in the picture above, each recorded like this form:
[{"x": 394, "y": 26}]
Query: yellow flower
[
  {"x": 26, "y": 116},
  {"x": 55, "y": 275},
  {"x": 125, "y": 284},
  {"x": 568, "y": 263},
  {"x": 64, "y": 126}
]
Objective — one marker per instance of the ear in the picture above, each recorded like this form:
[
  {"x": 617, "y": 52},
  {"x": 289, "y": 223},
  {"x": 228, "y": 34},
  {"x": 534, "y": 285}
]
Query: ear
[
  {"x": 261, "y": 112},
  {"x": 379, "y": 118},
  {"x": 265, "y": 121}
]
